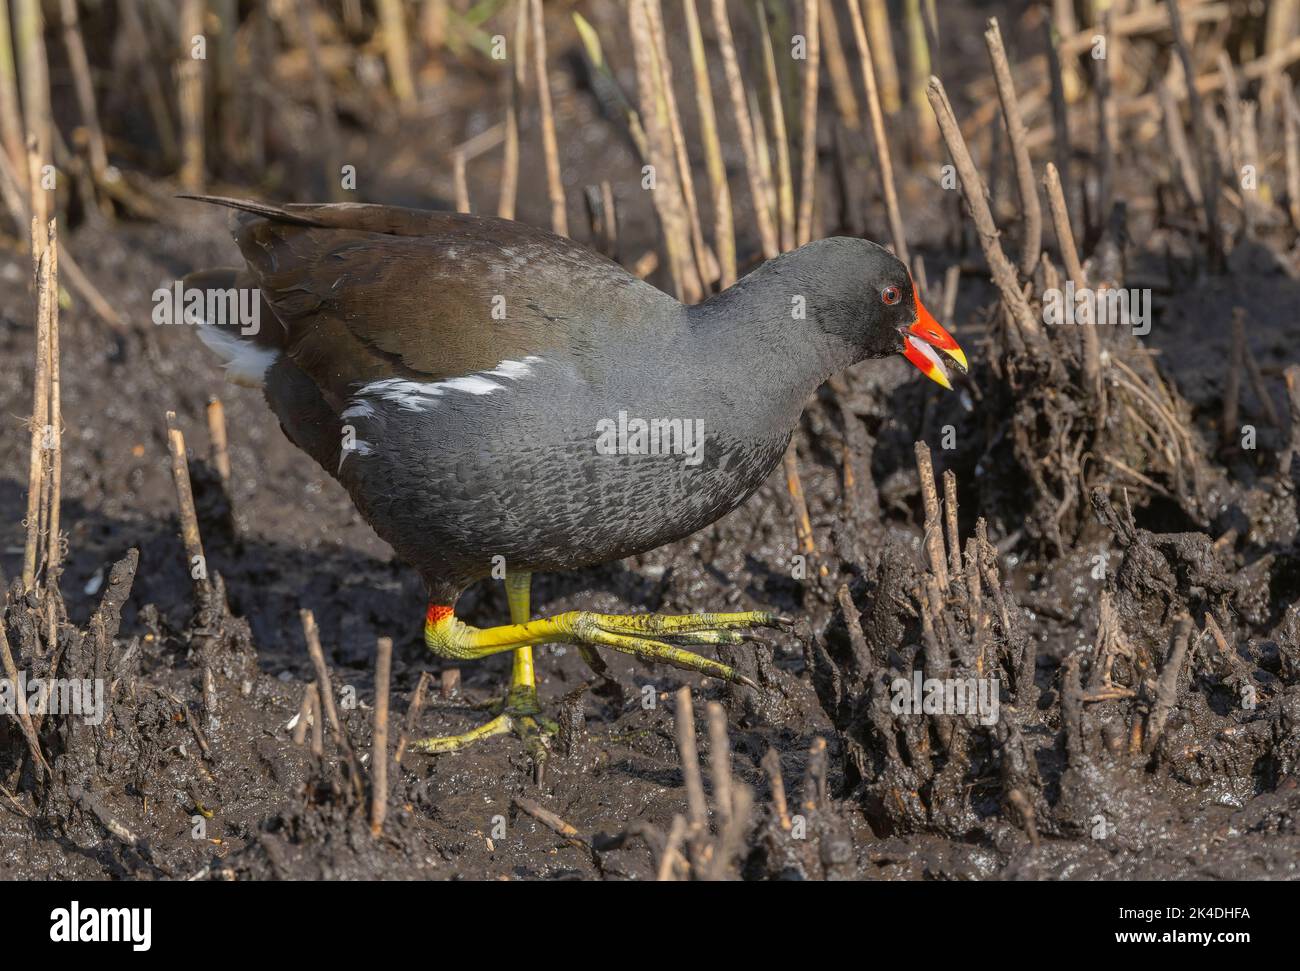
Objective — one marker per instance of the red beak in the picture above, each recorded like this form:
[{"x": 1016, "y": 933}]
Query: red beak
[{"x": 925, "y": 334}]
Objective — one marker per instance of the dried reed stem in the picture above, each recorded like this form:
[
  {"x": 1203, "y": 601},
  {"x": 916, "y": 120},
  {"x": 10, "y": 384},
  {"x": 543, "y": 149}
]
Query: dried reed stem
[
  {"x": 229, "y": 104},
  {"x": 918, "y": 69},
  {"x": 772, "y": 767},
  {"x": 458, "y": 180},
  {"x": 1177, "y": 138},
  {"x": 736, "y": 89},
  {"x": 696, "y": 807},
  {"x": 885, "y": 63},
  {"x": 191, "y": 97},
  {"x": 379, "y": 747},
  {"x": 1031, "y": 213},
  {"x": 1280, "y": 26},
  {"x": 1073, "y": 269},
  {"x": 34, "y": 77},
  {"x": 80, "y": 66},
  {"x": 550, "y": 146},
  {"x": 552, "y": 821},
  {"x": 11, "y": 119},
  {"x": 762, "y": 153},
  {"x": 325, "y": 686},
  {"x": 189, "y": 519},
  {"x": 1061, "y": 224},
  {"x": 972, "y": 187},
  {"x": 1167, "y": 683},
  {"x": 602, "y": 218},
  {"x": 36, "y": 470},
  {"x": 784, "y": 174},
  {"x": 666, "y": 193},
  {"x": 38, "y": 196},
  {"x": 720, "y": 764},
  {"x": 867, "y": 55},
  {"x": 54, "y": 432},
  {"x": 412, "y": 714},
  {"x": 951, "y": 281},
  {"x": 950, "y": 521},
  {"x": 517, "y": 76},
  {"x": 724, "y": 234},
  {"x": 664, "y": 80},
  {"x": 1208, "y": 160},
  {"x": 808, "y": 164},
  {"x": 218, "y": 441},
  {"x": 300, "y": 726},
  {"x": 794, "y": 485},
  {"x": 933, "y": 540},
  {"x": 837, "y": 66},
  {"x": 672, "y": 861},
  {"x": 1253, "y": 206},
  {"x": 1060, "y": 111},
  {"x": 24, "y": 716},
  {"x": 1067, "y": 29},
  {"x": 397, "y": 52}
]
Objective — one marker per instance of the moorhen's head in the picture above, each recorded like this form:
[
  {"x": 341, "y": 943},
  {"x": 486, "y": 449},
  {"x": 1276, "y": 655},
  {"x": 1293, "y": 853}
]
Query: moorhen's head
[{"x": 866, "y": 297}]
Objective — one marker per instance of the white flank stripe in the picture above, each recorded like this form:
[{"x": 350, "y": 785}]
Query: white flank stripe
[
  {"x": 471, "y": 384},
  {"x": 419, "y": 396}
]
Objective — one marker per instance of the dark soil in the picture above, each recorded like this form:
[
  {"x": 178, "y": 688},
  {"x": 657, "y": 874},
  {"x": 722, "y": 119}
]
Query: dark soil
[{"x": 1058, "y": 789}]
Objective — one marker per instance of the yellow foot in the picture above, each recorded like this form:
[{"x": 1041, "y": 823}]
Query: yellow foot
[
  {"x": 520, "y": 715},
  {"x": 652, "y": 637},
  {"x": 647, "y": 636}
]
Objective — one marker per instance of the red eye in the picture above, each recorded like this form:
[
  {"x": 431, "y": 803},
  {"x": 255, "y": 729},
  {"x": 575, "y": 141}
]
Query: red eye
[{"x": 891, "y": 295}]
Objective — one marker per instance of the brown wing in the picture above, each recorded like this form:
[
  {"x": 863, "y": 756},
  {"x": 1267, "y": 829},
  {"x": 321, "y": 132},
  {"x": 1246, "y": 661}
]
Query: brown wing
[{"x": 366, "y": 292}]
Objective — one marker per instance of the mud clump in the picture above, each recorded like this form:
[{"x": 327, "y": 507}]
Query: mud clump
[{"x": 1162, "y": 729}]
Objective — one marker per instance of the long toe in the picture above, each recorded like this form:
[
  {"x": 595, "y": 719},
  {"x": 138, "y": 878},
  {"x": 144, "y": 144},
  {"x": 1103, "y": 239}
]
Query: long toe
[
  {"x": 452, "y": 743},
  {"x": 658, "y": 651},
  {"x": 662, "y": 625}
]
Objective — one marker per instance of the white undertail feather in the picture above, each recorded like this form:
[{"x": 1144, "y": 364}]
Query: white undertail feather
[{"x": 246, "y": 362}]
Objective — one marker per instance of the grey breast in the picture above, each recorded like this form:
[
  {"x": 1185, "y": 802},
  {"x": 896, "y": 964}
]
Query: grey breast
[{"x": 541, "y": 461}]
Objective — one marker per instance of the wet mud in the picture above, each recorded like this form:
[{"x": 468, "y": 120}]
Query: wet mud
[{"x": 1143, "y": 643}]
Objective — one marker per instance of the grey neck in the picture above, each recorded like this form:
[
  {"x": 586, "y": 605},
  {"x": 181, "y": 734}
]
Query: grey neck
[{"x": 764, "y": 331}]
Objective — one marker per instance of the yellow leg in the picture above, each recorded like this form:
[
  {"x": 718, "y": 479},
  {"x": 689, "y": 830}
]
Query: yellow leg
[
  {"x": 448, "y": 637},
  {"x": 523, "y": 679},
  {"x": 521, "y": 713}
]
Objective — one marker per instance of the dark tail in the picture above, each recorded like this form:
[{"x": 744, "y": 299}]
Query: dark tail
[{"x": 278, "y": 213}]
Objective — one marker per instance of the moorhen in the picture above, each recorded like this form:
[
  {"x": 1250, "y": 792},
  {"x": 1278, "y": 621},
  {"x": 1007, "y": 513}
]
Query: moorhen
[{"x": 491, "y": 394}]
